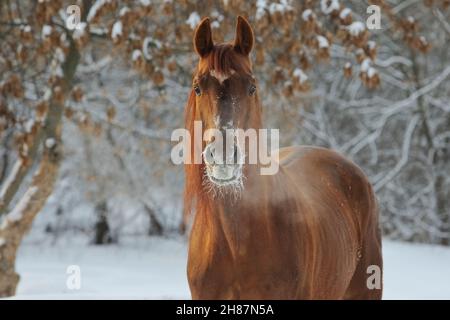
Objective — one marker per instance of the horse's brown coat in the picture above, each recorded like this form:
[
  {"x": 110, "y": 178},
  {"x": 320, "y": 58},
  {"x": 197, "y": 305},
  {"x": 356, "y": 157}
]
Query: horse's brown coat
[{"x": 308, "y": 232}]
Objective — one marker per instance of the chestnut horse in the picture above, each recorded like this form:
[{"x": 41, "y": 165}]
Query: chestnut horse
[{"x": 309, "y": 231}]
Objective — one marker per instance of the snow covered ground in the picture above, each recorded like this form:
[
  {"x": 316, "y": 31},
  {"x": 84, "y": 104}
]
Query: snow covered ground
[{"x": 155, "y": 269}]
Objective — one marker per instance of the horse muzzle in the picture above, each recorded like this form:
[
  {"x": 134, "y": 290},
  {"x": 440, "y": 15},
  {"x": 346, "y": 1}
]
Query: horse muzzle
[{"x": 223, "y": 167}]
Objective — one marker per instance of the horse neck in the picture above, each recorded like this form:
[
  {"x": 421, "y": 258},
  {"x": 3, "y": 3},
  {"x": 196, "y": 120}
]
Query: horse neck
[{"x": 245, "y": 221}]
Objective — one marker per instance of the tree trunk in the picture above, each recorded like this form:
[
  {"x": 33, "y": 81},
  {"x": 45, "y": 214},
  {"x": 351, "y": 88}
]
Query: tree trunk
[
  {"x": 155, "y": 227},
  {"x": 102, "y": 230},
  {"x": 18, "y": 221}
]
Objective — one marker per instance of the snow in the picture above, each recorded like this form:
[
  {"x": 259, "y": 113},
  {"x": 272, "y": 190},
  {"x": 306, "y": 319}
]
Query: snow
[
  {"x": 17, "y": 213},
  {"x": 367, "y": 68},
  {"x": 274, "y": 7},
  {"x": 416, "y": 271},
  {"x": 217, "y": 15},
  {"x": 261, "y": 6},
  {"x": 323, "y": 42},
  {"x": 28, "y": 126},
  {"x": 153, "y": 269},
  {"x": 307, "y": 14},
  {"x": 145, "y": 44},
  {"x": 281, "y": 7},
  {"x": 116, "y": 30},
  {"x": 46, "y": 30},
  {"x": 365, "y": 65},
  {"x": 356, "y": 28},
  {"x": 60, "y": 56},
  {"x": 11, "y": 178},
  {"x": 156, "y": 269},
  {"x": 328, "y": 6},
  {"x": 359, "y": 52},
  {"x": 193, "y": 20},
  {"x": 124, "y": 11},
  {"x": 371, "y": 72},
  {"x": 371, "y": 44},
  {"x": 423, "y": 40},
  {"x": 345, "y": 13},
  {"x": 136, "y": 54},
  {"x": 300, "y": 75},
  {"x": 95, "y": 7},
  {"x": 79, "y": 30},
  {"x": 50, "y": 143},
  {"x": 55, "y": 69},
  {"x": 145, "y": 3}
]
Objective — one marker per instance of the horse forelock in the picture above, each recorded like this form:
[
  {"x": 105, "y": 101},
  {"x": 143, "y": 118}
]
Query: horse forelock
[{"x": 223, "y": 61}]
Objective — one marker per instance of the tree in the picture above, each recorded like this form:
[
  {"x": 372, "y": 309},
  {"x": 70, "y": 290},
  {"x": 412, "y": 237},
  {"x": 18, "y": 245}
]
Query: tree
[{"x": 35, "y": 114}]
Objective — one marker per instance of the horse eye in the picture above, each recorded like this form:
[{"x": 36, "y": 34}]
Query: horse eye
[
  {"x": 252, "y": 90},
  {"x": 197, "y": 90}
]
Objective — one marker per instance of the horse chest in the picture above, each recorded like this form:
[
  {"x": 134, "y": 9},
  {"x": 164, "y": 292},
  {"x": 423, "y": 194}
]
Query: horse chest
[{"x": 241, "y": 267}]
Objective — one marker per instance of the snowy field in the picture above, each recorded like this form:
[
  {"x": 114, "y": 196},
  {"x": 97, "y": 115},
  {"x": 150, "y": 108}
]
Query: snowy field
[{"x": 155, "y": 269}]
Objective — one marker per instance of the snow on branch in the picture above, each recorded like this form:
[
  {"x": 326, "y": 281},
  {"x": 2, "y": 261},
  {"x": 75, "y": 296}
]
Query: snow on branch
[
  {"x": 193, "y": 20},
  {"x": 444, "y": 105},
  {"x": 117, "y": 30},
  {"x": 356, "y": 28},
  {"x": 414, "y": 96},
  {"x": 95, "y": 66},
  {"x": 442, "y": 20},
  {"x": 12, "y": 177},
  {"x": 18, "y": 212},
  {"x": 393, "y": 60},
  {"x": 262, "y": 7},
  {"x": 300, "y": 75},
  {"x": 405, "y": 155},
  {"x": 328, "y": 6},
  {"x": 95, "y": 8}
]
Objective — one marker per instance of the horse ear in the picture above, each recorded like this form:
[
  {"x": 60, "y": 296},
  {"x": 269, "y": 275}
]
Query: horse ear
[
  {"x": 243, "y": 41},
  {"x": 203, "y": 42}
]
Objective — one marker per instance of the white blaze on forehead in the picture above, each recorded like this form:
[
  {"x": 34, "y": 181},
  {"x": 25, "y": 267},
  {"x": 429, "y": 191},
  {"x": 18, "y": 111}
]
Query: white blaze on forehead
[{"x": 220, "y": 76}]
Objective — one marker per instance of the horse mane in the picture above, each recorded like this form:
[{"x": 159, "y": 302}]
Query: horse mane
[
  {"x": 225, "y": 60},
  {"x": 193, "y": 172}
]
